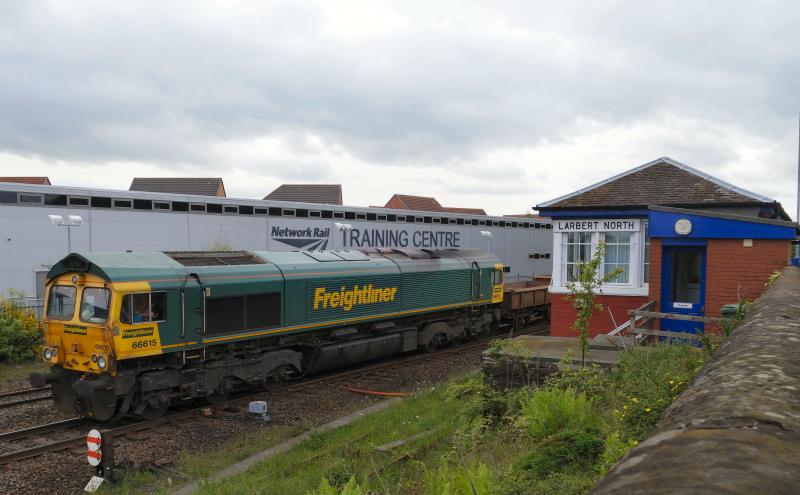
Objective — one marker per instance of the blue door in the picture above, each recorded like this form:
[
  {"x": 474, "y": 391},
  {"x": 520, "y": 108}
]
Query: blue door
[{"x": 683, "y": 289}]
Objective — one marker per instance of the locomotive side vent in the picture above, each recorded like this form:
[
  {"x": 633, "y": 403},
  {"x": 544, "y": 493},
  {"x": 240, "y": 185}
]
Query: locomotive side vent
[{"x": 215, "y": 258}]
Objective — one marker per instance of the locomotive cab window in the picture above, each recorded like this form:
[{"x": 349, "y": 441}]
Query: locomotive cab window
[
  {"x": 144, "y": 307},
  {"x": 61, "y": 302},
  {"x": 94, "y": 305},
  {"x": 497, "y": 277}
]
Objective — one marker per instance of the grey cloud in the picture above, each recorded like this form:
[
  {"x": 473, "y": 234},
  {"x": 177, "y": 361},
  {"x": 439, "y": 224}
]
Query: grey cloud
[{"x": 164, "y": 84}]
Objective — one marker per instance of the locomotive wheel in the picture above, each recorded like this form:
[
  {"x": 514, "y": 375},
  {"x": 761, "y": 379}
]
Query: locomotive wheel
[
  {"x": 436, "y": 342},
  {"x": 218, "y": 397},
  {"x": 149, "y": 412}
]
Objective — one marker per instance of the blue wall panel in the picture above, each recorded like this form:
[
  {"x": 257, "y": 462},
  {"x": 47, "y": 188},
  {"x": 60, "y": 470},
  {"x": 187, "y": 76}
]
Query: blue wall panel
[{"x": 662, "y": 224}]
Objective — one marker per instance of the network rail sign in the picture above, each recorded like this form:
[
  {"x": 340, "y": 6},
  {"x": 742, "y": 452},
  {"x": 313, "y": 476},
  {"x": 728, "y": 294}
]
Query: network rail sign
[
  {"x": 306, "y": 238},
  {"x": 299, "y": 235},
  {"x": 400, "y": 238}
]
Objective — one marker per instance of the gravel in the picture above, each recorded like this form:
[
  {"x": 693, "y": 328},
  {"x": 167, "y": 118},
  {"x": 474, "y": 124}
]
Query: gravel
[{"x": 67, "y": 472}]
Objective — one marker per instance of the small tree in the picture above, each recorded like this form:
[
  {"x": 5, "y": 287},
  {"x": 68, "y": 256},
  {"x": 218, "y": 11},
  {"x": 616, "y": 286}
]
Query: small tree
[{"x": 582, "y": 294}]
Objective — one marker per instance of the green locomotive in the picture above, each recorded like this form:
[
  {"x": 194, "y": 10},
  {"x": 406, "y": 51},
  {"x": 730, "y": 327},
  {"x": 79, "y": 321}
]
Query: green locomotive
[{"x": 136, "y": 332}]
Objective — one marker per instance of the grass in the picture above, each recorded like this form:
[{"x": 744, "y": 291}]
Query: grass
[
  {"x": 202, "y": 463},
  {"x": 15, "y": 376},
  {"x": 465, "y": 438}
]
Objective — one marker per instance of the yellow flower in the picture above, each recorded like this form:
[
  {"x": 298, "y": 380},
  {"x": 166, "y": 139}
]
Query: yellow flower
[
  {"x": 672, "y": 382},
  {"x": 625, "y": 406},
  {"x": 634, "y": 400},
  {"x": 647, "y": 409},
  {"x": 636, "y": 442}
]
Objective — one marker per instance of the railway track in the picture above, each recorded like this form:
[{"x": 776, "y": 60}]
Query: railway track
[
  {"x": 69, "y": 435},
  {"x": 25, "y": 396}
]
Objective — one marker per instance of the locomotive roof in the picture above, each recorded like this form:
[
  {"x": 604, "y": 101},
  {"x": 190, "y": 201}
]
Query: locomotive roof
[{"x": 177, "y": 266}]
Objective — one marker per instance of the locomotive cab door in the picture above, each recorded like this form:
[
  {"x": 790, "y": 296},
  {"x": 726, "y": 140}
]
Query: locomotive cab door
[
  {"x": 193, "y": 307},
  {"x": 476, "y": 281}
]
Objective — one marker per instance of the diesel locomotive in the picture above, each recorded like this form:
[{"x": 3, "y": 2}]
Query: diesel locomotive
[{"x": 136, "y": 332}]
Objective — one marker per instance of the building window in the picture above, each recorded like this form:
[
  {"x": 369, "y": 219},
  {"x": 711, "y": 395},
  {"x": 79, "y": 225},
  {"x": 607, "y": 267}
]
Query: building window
[
  {"x": 123, "y": 203},
  {"x": 578, "y": 250},
  {"x": 618, "y": 256},
  {"x": 198, "y": 207},
  {"x": 161, "y": 205},
  {"x": 142, "y": 204},
  {"x": 30, "y": 198}
]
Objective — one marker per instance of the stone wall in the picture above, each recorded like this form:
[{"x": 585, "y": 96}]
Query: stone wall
[{"x": 736, "y": 429}]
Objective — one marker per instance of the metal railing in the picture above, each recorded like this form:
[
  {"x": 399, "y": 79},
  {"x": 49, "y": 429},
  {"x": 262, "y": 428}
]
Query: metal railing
[{"x": 643, "y": 321}]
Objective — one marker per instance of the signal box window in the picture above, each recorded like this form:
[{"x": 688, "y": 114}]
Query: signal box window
[
  {"x": 61, "y": 303},
  {"x": 143, "y": 308},
  {"x": 94, "y": 305}
]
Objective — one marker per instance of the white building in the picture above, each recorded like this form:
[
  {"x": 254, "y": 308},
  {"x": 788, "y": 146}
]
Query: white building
[{"x": 140, "y": 221}]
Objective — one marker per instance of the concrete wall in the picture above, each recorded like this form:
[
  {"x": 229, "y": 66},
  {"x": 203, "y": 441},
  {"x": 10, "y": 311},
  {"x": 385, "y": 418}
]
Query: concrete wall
[{"x": 736, "y": 429}]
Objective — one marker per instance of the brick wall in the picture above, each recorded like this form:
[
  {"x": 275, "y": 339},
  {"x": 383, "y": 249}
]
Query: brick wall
[
  {"x": 655, "y": 272},
  {"x": 734, "y": 271},
  {"x": 562, "y": 314}
]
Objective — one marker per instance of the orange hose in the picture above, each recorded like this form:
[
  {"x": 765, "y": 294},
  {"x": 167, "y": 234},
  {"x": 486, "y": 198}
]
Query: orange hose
[{"x": 374, "y": 392}]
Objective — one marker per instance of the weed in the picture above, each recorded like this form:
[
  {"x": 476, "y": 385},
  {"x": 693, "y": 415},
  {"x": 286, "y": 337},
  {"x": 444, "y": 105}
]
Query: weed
[
  {"x": 351, "y": 487},
  {"x": 450, "y": 479},
  {"x": 553, "y": 410}
]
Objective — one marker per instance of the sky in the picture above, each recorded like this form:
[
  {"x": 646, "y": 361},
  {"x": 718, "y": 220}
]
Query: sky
[{"x": 498, "y": 105}]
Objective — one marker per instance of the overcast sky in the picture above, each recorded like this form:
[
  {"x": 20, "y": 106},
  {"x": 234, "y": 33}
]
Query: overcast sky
[{"x": 498, "y": 107}]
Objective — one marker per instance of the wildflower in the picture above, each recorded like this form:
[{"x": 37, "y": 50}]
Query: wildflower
[
  {"x": 647, "y": 409},
  {"x": 625, "y": 406},
  {"x": 636, "y": 442},
  {"x": 634, "y": 400},
  {"x": 672, "y": 382}
]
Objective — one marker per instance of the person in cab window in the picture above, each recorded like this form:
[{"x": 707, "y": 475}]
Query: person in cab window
[
  {"x": 141, "y": 313},
  {"x": 156, "y": 313}
]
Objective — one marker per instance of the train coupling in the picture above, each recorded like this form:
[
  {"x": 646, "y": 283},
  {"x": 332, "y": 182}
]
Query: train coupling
[{"x": 40, "y": 380}]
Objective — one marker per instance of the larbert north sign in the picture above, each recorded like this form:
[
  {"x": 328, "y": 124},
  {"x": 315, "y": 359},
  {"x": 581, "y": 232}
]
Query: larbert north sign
[{"x": 597, "y": 225}]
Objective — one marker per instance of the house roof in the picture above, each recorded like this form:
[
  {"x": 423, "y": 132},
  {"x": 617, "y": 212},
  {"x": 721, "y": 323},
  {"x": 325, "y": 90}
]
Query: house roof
[
  {"x": 663, "y": 181},
  {"x": 199, "y": 186},
  {"x": 419, "y": 203},
  {"x": 329, "y": 194},
  {"x": 42, "y": 181},
  {"x": 465, "y": 211}
]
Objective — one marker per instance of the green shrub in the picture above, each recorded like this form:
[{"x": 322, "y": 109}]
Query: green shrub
[
  {"x": 517, "y": 483},
  {"x": 647, "y": 381},
  {"x": 550, "y": 411},
  {"x": 452, "y": 479},
  {"x": 20, "y": 334},
  {"x": 350, "y": 488},
  {"x": 567, "y": 450},
  {"x": 613, "y": 450}
]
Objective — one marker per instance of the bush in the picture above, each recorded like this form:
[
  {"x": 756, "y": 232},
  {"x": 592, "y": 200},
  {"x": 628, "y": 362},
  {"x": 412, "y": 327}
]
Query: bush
[
  {"x": 553, "y": 410},
  {"x": 349, "y": 488},
  {"x": 647, "y": 381},
  {"x": 20, "y": 333},
  {"x": 454, "y": 480},
  {"x": 565, "y": 451}
]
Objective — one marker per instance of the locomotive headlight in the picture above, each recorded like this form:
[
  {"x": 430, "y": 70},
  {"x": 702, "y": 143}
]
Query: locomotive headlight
[
  {"x": 101, "y": 362},
  {"x": 48, "y": 353},
  {"x": 94, "y": 358}
]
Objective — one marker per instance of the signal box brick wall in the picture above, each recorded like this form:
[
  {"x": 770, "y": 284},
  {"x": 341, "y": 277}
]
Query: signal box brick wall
[
  {"x": 562, "y": 314},
  {"x": 732, "y": 272}
]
